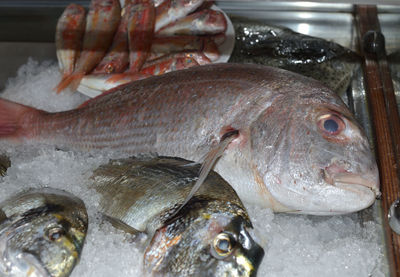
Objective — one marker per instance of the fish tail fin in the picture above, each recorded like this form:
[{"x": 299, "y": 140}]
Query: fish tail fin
[
  {"x": 71, "y": 81},
  {"x": 12, "y": 119}
]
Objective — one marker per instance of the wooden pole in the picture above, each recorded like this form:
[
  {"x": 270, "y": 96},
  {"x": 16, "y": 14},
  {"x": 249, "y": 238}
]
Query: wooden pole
[{"x": 385, "y": 119}]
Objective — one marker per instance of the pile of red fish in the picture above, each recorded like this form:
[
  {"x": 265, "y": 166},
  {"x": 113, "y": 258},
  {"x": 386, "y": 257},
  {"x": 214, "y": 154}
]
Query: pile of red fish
[{"x": 111, "y": 45}]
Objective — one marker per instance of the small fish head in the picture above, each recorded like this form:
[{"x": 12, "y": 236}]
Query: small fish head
[
  {"x": 107, "y": 67},
  {"x": 209, "y": 244},
  {"x": 236, "y": 252},
  {"x": 318, "y": 159},
  {"x": 43, "y": 241}
]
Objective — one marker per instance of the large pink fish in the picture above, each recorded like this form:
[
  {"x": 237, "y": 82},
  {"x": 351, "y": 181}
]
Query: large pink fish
[
  {"x": 101, "y": 23},
  {"x": 297, "y": 147}
]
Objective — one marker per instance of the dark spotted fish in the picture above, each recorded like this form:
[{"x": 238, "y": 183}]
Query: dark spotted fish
[{"x": 326, "y": 61}]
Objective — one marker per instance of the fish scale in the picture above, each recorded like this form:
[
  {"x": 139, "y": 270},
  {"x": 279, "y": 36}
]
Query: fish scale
[{"x": 185, "y": 114}]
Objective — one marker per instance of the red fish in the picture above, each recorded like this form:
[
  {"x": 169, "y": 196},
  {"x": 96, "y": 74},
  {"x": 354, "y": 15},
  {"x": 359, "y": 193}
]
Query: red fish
[
  {"x": 289, "y": 142},
  {"x": 117, "y": 58},
  {"x": 69, "y": 33},
  {"x": 164, "y": 65},
  {"x": 140, "y": 32},
  {"x": 95, "y": 84},
  {"x": 101, "y": 23},
  {"x": 210, "y": 49},
  {"x": 199, "y": 57},
  {"x": 164, "y": 45},
  {"x": 204, "y": 22},
  {"x": 172, "y": 10}
]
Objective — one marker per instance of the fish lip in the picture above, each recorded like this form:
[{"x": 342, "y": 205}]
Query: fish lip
[
  {"x": 336, "y": 174},
  {"x": 23, "y": 263},
  {"x": 249, "y": 257},
  {"x": 249, "y": 264}
]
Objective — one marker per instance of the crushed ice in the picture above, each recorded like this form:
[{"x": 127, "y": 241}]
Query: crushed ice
[{"x": 295, "y": 245}]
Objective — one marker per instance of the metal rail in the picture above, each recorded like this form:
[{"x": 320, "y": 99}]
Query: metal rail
[{"x": 385, "y": 118}]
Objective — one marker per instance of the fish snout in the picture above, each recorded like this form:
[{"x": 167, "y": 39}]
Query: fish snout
[
  {"x": 248, "y": 260},
  {"x": 249, "y": 256},
  {"x": 340, "y": 172},
  {"x": 33, "y": 266},
  {"x": 24, "y": 264}
]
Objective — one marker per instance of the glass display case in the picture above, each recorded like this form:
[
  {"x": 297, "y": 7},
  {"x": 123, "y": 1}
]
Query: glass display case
[{"x": 369, "y": 29}]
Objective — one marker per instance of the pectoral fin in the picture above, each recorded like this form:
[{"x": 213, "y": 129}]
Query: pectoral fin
[
  {"x": 121, "y": 225},
  {"x": 208, "y": 164}
]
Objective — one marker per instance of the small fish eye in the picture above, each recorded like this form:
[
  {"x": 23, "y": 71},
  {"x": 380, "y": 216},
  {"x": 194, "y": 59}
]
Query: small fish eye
[
  {"x": 223, "y": 245},
  {"x": 110, "y": 68},
  {"x": 55, "y": 233},
  {"x": 331, "y": 124}
]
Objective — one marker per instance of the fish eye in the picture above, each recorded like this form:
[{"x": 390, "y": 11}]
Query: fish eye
[
  {"x": 110, "y": 68},
  {"x": 54, "y": 233},
  {"x": 223, "y": 246},
  {"x": 331, "y": 124}
]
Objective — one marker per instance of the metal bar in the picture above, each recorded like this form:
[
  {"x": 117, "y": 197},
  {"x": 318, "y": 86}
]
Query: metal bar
[{"x": 385, "y": 119}]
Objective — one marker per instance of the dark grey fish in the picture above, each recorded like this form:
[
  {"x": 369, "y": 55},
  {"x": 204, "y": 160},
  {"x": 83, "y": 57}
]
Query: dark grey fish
[
  {"x": 42, "y": 233},
  {"x": 5, "y": 163},
  {"x": 326, "y": 61},
  {"x": 208, "y": 237}
]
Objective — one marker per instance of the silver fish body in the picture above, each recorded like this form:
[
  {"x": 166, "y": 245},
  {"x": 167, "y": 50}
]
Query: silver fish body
[
  {"x": 41, "y": 233},
  {"x": 208, "y": 237},
  {"x": 299, "y": 148},
  {"x": 326, "y": 61}
]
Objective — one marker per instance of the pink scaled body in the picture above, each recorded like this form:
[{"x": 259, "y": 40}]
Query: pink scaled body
[{"x": 299, "y": 148}]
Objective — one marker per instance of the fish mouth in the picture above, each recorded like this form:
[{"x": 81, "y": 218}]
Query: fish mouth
[
  {"x": 23, "y": 264},
  {"x": 34, "y": 266},
  {"x": 248, "y": 260},
  {"x": 337, "y": 175}
]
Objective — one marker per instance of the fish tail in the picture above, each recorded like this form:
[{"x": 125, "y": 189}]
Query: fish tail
[
  {"x": 71, "y": 81},
  {"x": 13, "y": 119}
]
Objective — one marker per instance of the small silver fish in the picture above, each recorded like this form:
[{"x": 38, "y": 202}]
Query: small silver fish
[
  {"x": 208, "y": 237},
  {"x": 42, "y": 233},
  {"x": 325, "y": 61}
]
